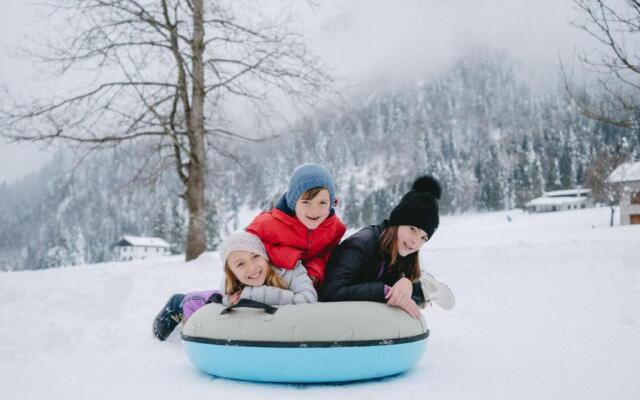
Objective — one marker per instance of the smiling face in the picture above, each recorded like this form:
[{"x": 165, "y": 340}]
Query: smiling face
[
  {"x": 311, "y": 212},
  {"x": 249, "y": 268},
  {"x": 410, "y": 239}
]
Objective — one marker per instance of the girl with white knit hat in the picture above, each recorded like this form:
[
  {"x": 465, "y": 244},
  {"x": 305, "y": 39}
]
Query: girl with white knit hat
[{"x": 248, "y": 275}]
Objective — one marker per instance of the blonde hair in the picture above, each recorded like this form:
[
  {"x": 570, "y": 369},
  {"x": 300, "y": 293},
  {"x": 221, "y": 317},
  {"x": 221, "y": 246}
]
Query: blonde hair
[
  {"x": 232, "y": 284},
  {"x": 389, "y": 251}
]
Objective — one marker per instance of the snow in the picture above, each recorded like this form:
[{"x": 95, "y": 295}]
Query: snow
[
  {"x": 146, "y": 241},
  {"x": 567, "y": 192},
  {"x": 627, "y": 172},
  {"x": 547, "y": 308},
  {"x": 542, "y": 201}
]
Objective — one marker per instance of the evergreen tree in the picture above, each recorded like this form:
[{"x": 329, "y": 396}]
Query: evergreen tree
[
  {"x": 382, "y": 200},
  {"x": 56, "y": 256},
  {"x": 57, "y": 253},
  {"x": 491, "y": 182},
  {"x": 565, "y": 166},
  {"x": 161, "y": 226},
  {"x": 351, "y": 206},
  {"x": 553, "y": 176},
  {"x": 213, "y": 226},
  {"x": 178, "y": 228},
  {"x": 76, "y": 246},
  {"x": 368, "y": 210},
  {"x": 522, "y": 179}
]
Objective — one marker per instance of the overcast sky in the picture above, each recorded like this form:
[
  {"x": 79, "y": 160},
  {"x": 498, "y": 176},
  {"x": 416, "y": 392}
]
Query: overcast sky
[{"x": 369, "y": 42}]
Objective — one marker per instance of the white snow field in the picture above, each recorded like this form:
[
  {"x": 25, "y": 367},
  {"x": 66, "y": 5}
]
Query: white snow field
[{"x": 548, "y": 307}]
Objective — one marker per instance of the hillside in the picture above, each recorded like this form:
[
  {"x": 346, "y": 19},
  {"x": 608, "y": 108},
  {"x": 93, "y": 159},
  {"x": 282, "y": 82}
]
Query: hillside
[
  {"x": 494, "y": 139},
  {"x": 547, "y": 308}
]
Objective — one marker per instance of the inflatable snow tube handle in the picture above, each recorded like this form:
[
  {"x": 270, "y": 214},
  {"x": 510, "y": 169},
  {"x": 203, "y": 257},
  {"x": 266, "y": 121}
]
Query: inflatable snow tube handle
[{"x": 248, "y": 303}]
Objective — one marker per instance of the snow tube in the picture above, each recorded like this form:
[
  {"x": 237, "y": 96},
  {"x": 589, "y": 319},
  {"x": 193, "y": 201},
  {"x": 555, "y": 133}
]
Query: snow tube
[{"x": 304, "y": 343}]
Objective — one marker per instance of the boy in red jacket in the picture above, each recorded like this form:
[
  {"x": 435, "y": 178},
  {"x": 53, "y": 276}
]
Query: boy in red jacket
[{"x": 303, "y": 225}]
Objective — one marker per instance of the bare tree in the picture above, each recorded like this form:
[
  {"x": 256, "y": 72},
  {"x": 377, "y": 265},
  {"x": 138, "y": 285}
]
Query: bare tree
[
  {"x": 596, "y": 178},
  {"x": 615, "y": 62},
  {"x": 161, "y": 73}
]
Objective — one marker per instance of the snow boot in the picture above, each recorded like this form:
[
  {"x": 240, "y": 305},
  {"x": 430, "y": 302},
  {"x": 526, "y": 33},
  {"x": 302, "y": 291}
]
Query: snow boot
[
  {"x": 437, "y": 292},
  {"x": 169, "y": 317}
]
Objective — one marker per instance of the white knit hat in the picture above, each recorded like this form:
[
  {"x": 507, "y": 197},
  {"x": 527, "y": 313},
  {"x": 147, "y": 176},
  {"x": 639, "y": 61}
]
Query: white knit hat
[{"x": 242, "y": 241}]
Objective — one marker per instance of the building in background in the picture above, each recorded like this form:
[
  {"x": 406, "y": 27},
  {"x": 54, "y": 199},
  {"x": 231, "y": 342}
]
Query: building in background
[
  {"x": 627, "y": 179},
  {"x": 560, "y": 200},
  {"x": 137, "y": 248}
]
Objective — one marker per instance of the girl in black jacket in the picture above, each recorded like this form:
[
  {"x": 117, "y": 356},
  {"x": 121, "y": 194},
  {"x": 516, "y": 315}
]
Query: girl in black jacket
[{"x": 380, "y": 262}]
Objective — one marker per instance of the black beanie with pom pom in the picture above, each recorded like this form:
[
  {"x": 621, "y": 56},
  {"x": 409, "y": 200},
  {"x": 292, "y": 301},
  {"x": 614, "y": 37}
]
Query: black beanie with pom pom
[{"x": 419, "y": 206}]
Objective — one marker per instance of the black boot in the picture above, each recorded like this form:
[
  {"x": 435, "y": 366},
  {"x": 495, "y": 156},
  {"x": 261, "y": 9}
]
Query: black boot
[{"x": 169, "y": 317}]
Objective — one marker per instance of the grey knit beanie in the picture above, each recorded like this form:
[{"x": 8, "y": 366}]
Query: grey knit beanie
[
  {"x": 309, "y": 176},
  {"x": 242, "y": 241}
]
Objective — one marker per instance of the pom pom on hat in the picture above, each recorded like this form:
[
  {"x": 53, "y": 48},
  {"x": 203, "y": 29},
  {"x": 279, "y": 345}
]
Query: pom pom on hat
[{"x": 427, "y": 183}]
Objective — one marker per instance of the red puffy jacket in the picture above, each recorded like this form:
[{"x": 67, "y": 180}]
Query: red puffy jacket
[{"x": 287, "y": 240}]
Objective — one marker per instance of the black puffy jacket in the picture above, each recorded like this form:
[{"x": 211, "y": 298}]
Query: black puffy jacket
[{"x": 357, "y": 272}]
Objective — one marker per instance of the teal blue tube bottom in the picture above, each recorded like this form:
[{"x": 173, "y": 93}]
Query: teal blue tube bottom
[{"x": 305, "y": 364}]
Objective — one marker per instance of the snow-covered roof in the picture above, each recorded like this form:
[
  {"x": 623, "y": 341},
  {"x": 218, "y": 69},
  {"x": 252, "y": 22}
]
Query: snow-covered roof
[
  {"x": 568, "y": 192},
  {"x": 542, "y": 201},
  {"x": 142, "y": 241},
  {"x": 627, "y": 172}
]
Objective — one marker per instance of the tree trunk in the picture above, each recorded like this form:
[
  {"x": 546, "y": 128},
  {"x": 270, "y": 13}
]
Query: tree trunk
[
  {"x": 613, "y": 210},
  {"x": 196, "y": 233}
]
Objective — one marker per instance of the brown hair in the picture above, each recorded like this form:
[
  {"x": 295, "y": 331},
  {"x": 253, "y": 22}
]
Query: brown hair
[
  {"x": 232, "y": 284},
  {"x": 389, "y": 252},
  {"x": 311, "y": 193}
]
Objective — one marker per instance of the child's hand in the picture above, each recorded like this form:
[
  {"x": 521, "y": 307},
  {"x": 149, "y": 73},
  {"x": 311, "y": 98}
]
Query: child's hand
[
  {"x": 411, "y": 308},
  {"x": 234, "y": 298},
  {"x": 400, "y": 292}
]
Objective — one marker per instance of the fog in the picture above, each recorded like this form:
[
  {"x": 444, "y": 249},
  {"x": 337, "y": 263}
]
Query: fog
[
  {"x": 375, "y": 40},
  {"x": 367, "y": 44}
]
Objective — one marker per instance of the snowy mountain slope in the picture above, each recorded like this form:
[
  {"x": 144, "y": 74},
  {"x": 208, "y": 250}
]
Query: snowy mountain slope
[
  {"x": 494, "y": 139},
  {"x": 547, "y": 308}
]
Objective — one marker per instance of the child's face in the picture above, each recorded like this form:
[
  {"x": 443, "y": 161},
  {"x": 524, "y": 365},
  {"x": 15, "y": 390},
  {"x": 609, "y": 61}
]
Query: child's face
[
  {"x": 410, "y": 239},
  {"x": 312, "y": 212},
  {"x": 249, "y": 268}
]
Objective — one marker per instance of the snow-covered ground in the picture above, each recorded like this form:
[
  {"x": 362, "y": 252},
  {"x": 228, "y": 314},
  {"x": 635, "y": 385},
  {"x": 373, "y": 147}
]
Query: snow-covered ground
[{"x": 548, "y": 308}]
